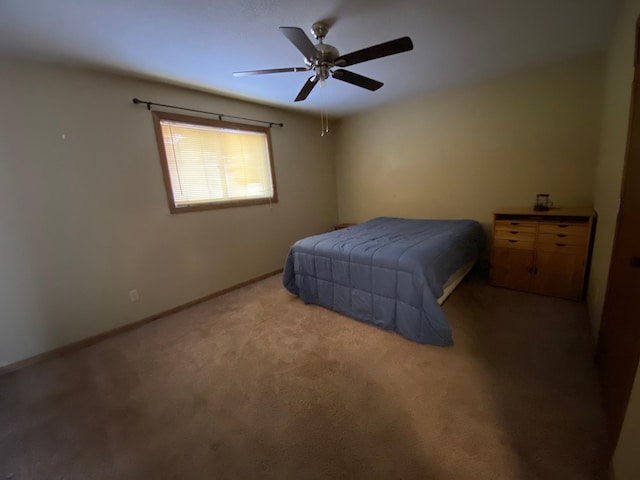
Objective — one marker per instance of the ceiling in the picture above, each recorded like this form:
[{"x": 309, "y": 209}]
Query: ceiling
[{"x": 199, "y": 43}]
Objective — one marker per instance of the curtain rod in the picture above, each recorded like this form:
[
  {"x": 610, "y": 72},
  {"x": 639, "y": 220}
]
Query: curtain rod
[{"x": 219, "y": 115}]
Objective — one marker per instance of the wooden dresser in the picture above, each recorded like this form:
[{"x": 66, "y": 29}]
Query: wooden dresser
[
  {"x": 544, "y": 252},
  {"x": 340, "y": 226}
]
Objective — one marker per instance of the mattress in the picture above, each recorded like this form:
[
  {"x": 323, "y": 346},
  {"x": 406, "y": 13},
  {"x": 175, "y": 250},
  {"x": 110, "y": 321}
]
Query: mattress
[{"x": 454, "y": 280}]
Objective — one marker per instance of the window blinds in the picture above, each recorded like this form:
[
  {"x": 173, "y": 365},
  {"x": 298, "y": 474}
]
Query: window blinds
[{"x": 209, "y": 164}]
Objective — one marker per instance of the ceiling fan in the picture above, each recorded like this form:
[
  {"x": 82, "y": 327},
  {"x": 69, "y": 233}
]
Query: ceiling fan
[{"x": 323, "y": 58}]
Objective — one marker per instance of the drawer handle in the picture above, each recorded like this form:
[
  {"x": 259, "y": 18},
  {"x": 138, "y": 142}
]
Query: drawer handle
[
  {"x": 515, "y": 223},
  {"x": 561, "y": 244},
  {"x": 561, "y": 235},
  {"x": 512, "y": 241},
  {"x": 563, "y": 226},
  {"x": 514, "y": 232}
]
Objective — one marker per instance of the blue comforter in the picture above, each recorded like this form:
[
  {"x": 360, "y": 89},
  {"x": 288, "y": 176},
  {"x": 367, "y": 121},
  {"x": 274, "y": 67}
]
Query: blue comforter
[{"x": 388, "y": 272}]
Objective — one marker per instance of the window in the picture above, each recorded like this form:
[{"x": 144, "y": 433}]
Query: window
[{"x": 214, "y": 164}]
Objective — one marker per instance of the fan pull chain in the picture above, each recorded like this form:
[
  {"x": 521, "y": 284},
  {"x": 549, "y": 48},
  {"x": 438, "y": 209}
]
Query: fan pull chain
[{"x": 324, "y": 123}]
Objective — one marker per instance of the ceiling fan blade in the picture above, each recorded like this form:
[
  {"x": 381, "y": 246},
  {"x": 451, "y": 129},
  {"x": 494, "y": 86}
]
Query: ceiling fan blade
[
  {"x": 306, "y": 89},
  {"x": 391, "y": 47},
  {"x": 271, "y": 70},
  {"x": 358, "y": 80},
  {"x": 300, "y": 40}
]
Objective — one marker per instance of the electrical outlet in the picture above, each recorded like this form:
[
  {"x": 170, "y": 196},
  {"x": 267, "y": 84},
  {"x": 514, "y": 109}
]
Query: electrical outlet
[{"x": 133, "y": 295}]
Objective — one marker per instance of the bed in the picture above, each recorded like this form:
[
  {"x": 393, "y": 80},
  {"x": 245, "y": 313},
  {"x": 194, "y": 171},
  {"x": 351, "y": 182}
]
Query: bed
[{"x": 390, "y": 272}]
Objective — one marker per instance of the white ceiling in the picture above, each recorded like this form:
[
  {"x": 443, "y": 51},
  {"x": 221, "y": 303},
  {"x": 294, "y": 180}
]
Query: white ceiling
[{"x": 200, "y": 42}]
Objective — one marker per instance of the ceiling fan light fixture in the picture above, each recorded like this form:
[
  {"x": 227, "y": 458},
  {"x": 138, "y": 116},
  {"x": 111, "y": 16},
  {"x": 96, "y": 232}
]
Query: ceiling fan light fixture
[{"x": 322, "y": 72}]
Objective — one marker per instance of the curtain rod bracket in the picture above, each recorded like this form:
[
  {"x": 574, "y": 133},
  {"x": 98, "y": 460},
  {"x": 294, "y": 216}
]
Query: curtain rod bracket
[
  {"x": 219, "y": 115},
  {"x": 137, "y": 101}
]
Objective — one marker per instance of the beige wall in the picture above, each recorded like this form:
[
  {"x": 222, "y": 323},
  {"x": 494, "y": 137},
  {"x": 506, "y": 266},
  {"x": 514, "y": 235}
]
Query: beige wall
[
  {"x": 84, "y": 220},
  {"x": 619, "y": 76},
  {"x": 463, "y": 153}
]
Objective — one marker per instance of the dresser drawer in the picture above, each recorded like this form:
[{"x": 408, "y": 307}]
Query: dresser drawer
[
  {"x": 565, "y": 228},
  {"x": 515, "y": 235},
  {"x": 516, "y": 226},
  {"x": 559, "y": 247},
  {"x": 513, "y": 243},
  {"x": 562, "y": 238}
]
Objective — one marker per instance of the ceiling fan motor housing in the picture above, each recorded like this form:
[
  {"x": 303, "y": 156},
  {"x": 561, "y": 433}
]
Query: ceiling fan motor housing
[{"x": 327, "y": 55}]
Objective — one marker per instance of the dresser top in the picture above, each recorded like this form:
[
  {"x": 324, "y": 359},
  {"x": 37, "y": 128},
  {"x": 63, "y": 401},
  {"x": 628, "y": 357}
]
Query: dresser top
[{"x": 552, "y": 212}]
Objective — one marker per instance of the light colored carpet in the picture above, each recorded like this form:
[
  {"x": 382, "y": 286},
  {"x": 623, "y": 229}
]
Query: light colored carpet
[{"x": 257, "y": 385}]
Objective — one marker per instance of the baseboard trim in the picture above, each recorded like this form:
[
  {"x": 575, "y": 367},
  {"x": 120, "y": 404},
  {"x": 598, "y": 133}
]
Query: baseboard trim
[{"x": 80, "y": 344}]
